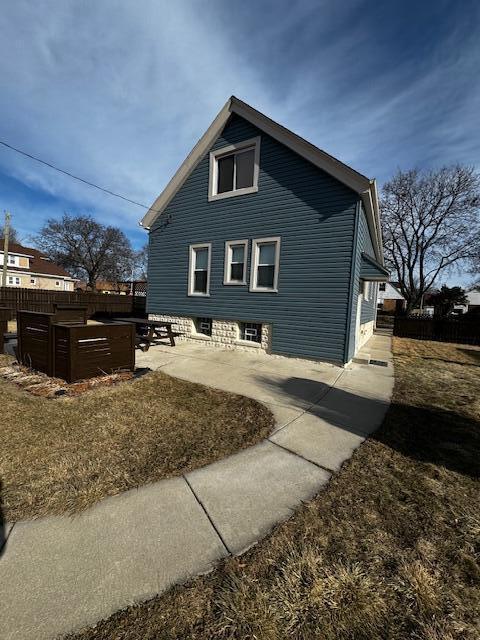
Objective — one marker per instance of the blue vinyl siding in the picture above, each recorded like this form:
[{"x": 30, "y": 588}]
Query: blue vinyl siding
[
  {"x": 366, "y": 246},
  {"x": 314, "y": 216},
  {"x": 367, "y": 313}
]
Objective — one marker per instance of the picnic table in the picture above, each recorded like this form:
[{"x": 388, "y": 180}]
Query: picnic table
[{"x": 150, "y": 331}]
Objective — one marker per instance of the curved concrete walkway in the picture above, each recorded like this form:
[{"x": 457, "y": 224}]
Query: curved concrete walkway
[{"x": 58, "y": 574}]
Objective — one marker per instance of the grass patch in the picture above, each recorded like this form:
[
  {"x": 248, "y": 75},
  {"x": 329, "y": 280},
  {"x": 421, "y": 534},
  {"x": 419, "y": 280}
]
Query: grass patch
[
  {"x": 389, "y": 550},
  {"x": 63, "y": 455}
]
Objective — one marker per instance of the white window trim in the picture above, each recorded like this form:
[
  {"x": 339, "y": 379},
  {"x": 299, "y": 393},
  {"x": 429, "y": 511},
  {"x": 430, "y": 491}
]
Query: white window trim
[
  {"x": 254, "y": 264},
  {"x": 58, "y": 283},
  {"x": 33, "y": 280},
  {"x": 11, "y": 281},
  {"x": 12, "y": 260},
  {"x": 192, "y": 248},
  {"x": 228, "y": 261},
  {"x": 214, "y": 155}
]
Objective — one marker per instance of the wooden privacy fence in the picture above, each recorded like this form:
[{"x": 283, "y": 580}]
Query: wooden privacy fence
[
  {"x": 440, "y": 329},
  {"x": 73, "y": 351},
  {"x": 385, "y": 320},
  {"x": 44, "y": 301},
  {"x": 5, "y": 316}
]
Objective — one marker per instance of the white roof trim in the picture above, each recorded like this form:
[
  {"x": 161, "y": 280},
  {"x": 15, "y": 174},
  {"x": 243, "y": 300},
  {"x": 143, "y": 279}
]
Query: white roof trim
[
  {"x": 22, "y": 272},
  {"x": 356, "y": 181},
  {"x": 14, "y": 253}
]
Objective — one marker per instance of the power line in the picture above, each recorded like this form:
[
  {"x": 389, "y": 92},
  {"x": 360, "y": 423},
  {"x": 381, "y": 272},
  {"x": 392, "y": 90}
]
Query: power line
[{"x": 71, "y": 175}]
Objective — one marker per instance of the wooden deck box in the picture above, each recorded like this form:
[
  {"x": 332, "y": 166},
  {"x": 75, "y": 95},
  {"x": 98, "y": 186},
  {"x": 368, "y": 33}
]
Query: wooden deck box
[
  {"x": 82, "y": 352},
  {"x": 73, "y": 351}
]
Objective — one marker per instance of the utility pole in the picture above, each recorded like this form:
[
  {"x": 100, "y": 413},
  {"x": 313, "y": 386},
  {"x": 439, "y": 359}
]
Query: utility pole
[{"x": 6, "y": 233}]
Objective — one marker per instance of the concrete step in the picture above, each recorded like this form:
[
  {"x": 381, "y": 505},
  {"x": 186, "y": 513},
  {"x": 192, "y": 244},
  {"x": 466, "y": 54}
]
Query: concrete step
[{"x": 361, "y": 358}]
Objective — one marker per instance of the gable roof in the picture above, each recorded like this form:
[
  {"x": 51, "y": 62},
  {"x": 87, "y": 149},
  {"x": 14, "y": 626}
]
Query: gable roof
[
  {"x": 396, "y": 288},
  {"x": 39, "y": 262},
  {"x": 359, "y": 183}
]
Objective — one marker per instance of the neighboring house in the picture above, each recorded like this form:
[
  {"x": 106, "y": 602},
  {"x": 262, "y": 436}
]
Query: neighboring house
[
  {"x": 104, "y": 286},
  {"x": 473, "y": 297},
  {"x": 32, "y": 269},
  {"x": 389, "y": 297},
  {"x": 263, "y": 240},
  {"x": 473, "y": 302}
]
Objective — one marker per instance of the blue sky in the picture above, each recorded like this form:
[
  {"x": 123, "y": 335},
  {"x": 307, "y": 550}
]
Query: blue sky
[{"x": 119, "y": 91}]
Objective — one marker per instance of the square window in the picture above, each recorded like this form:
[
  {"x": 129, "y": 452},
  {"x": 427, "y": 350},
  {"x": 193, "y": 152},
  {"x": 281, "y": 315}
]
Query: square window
[
  {"x": 203, "y": 325},
  {"x": 199, "y": 270},
  {"x": 33, "y": 281},
  {"x": 235, "y": 269},
  {"x": 57, "y": 283},
  {"x": 234, "y": 170},
  {"x": 251, "y": 332},
  {"x": 14, "y": 281},
  {"x": 265, "y": 264},
  {"x": 383, "y": 286}
]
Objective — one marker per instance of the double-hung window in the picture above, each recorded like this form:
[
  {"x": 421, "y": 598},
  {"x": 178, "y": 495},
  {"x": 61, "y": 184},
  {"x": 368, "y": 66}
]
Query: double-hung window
[
  {"x": 13, "y": 281},
  {"x": 199, "y": 270},
  {"x": 234, "y": 170},
  {"x": 265, "y": 264},
  {"x": 235, "y": 262}
]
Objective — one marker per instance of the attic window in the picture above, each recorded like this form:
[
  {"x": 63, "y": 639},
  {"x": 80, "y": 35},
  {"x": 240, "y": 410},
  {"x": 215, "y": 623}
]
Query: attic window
[{"x": 234, "y": 170}]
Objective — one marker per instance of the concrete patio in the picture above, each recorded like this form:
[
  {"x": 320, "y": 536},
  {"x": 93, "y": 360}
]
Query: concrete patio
[{"x": 61, "y": 573}]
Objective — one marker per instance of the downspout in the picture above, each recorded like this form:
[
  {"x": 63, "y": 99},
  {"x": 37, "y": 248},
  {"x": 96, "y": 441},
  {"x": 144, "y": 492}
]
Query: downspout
[{"x": 351, "y": 281}]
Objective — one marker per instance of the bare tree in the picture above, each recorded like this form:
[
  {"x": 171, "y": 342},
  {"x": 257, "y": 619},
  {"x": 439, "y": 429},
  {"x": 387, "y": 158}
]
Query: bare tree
[
  {"x": 86, "y": 248},
  {"x": 12, "y": 235},
  {"x": 475, "y": 271},
  {"x": 430, "y": 224},
  {"x": 141, "y": 263}
]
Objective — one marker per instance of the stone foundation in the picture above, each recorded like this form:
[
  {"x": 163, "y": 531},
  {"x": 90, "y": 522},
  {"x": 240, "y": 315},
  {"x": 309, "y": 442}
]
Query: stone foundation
[{"x": 225, "y": 333}]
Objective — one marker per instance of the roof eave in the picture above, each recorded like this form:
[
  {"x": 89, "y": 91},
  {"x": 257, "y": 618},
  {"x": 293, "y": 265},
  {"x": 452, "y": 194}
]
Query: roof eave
[{"x": 370, "y": 202}]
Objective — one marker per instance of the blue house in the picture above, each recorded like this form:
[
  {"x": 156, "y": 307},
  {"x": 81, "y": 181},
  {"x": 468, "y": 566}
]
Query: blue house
[{"x": 263, "y": 241}]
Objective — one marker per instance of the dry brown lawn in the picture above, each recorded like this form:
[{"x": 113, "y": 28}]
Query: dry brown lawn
[
  {"x": 389, "y": 551},
  {"x": 63, "y": 455}
]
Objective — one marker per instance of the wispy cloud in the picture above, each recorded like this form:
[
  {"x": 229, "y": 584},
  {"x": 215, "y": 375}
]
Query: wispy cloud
[{"x": 118, "y": 92}]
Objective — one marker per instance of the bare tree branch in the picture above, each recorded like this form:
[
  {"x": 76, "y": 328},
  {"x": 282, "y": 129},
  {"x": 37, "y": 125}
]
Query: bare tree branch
[
  {"x": 86, "y": 248},
  {"x": 430, "y": 224}
]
